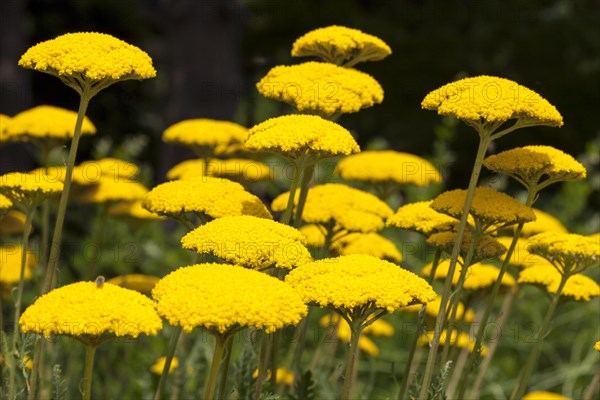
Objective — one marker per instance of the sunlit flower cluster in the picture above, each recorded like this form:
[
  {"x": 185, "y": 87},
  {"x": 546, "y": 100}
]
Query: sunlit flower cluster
[
  {"x": 208, "y": 136},
  {"x": 568, "y": 252},
  {"x": 487, "y": 247},
  {"x": 238, "y": 169},
  {"x": 578, "y": 287},
  {"x": 10, "y": 264},
  {"x": 27, "y": 190},
  {"x": 478, "y": 276},
  {"x": 457, "y": 338}
]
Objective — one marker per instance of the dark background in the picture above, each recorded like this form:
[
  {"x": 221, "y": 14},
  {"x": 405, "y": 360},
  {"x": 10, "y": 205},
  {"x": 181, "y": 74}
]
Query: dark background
[{"x": 210, "y": 53}]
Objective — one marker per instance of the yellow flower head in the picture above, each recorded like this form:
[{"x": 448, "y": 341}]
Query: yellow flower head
[
  {"x": 89, "y": 310},
  {"x": 206, "y": 136},
  {"x": 10, "y": 264},
  {"x": 544, "y": 222},
  {"x": 457, "y": 338},
  {"x": 27, "y": 190},
  {"x": 597, "y": 346},
  {"x": 543, "y": 395},
  {"x": 368, "y": 243},
  {"x": 491, "y": 100},
  {"x": 283, "y": 376},
  {"x": 89, "y": 56},
  {"x": 432, "y": 309},
  {"x": 535, "y": 165},
  {"x": 388, "y": 166},
  {"x": 568, "y": 252},
  {"x": 109, "y": 190},
  {"x": 479, "y": 275},
  {"x": 487, "y": 246},
  {"x": 521, "y": 256},
  {"x": 4, "y": 121},
  {"x": 578, "y": 287},
  {"x": 131, "y": 209},
  {"x": 489, "y": 207},
  {"x": 108, "y": 167},
  {"x": 13, "y": 222},
  {"x": 223, "y": 298},
  {"x": 420, "y": 217},
  {"x": 236, "y": 169},
  {"x": 365, "y": 344},
  {"x": 46, "y": 123},
  {"x": 250, "y": 242},
  {"x": 357, "y": 281},
  {"x": 321, "y": 88},
  {"x": 341, "y": 46},
  {"x": 208, "y": 197},
  {"x": 139, "y": 282},
  {"x": 314, "y": 235},
  {"x": 348, "y": 208},
  {"x": 299, "y": 136},
  {"x": 159, "y": 365}
]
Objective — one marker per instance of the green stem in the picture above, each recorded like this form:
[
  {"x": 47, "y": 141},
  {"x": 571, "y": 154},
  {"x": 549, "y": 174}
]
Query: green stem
[
  {"x": 220, "y": 340},
  {"x": 440, "y": 320},
  {"x": 274, "y": 353},
  {"x": 307, "y": 175},
  {"x": 45, "y": 234},
  {"x": 355, "y": 331},
  {"x": 13, "y": 348},
  {"x": 531, "y": 194},
  {"x": 420, "y": 320},
  {"x": 90, "y": 351},
  {"x": 262, "y": 363},
  {"x": 225, "y": 368},
  {"x": 287, "y": 215},
  {"x": 175, "y": 335},
  {"x": 533, "y": 356}
]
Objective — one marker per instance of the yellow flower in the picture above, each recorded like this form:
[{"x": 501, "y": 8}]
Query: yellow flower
[
  {"x": 250, "y": 242},
  {"x": 487, "y": 246},
  {"x": 543, "y": 395},
  {"x": 568, "y": 252},
  {"x": 139, "y": 282},
  {"x": 5, "y": 204},
  {"x": 10, "y": 264},
  {"x": 388, "y": 166},
  {"x": 283, "y": 376},
  {"x": 236, "y": 169},
  {"x": 131, "y": 209},
  {"x": 108, "y": 167},
  {"x": 521, "y": 256},
  {"x": 224, "y": 298},
  {"x": 358, "y": 281},
  {"x": 341, "y": 46},
  {"x": 12, "y": 223},
  {"x": 420, "y": 217},
  {"x": 597, "y": 346},
  {"x": 314, "y": 235},
  {"x": 544, "y": 222},
  {"x": 301, "y": 136},
  {"x": 348, "y": 208},
  {"x": 206, "y": 136},
  {"x": 89, "y": 56},
  {"x": 46, "y": 123},
  {"x": 578, "y": 287},
  {"x": 489, "y": 207},
  {"x": 110, "y": 190},
  {"x": 27, "y": 190},
  {"x": 88, "y": 310},
  {"x": 376, "y": 328},
  {"x": 4, "y": 121},
  {"x": 159, "y": 365},
  {"x": 208, "y": 197},
  {"x": 457, "y": 338},
  {"x": 321, "y": 88},
  {"x": 432, "y": 309},
  {"x": 491, "y": 100},
  {"x": 368, "y": 243},
  {"x": 364, "y": 343},
  {"x": 478, "y": 276},
  {"x": 536, "y": 165}
]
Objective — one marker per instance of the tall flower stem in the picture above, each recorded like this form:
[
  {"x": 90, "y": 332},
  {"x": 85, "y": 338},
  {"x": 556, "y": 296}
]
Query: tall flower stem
[
  {"x": 175, "y": 335},
  {"x": 225, "y": 367},
  {"x": 355, "y": 329},
  {"x": 287, "y": 215},
  {"x": 262, "y": 363},
  {"x": 307, "y": 175},
  {"x": 13, "y": 348},
  {"x": 209, "y": 392},
  {"x": 420, "y": 319},
  {"x": 533, "y": 356},
  {"x": 531, "y": 195},
  {"x": 484, "y": 140},
  {"x": 85, "y": 97},
  {"x": 90, "y": 351}
]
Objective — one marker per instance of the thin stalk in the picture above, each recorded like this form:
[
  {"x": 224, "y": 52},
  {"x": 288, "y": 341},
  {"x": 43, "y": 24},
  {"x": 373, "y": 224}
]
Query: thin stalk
[
  {"x": 307, "y": 175},
  {"x": 589, "y": 392},
  {"x": 296, "y": 350},
  {"x": 483, "y": 144},
  {"x": 355, "y": 330},
  {"x": 13, "y": 348},
  {"x": 287, "y": 215},
  {"x": 57, "y": 236},
  {"x": 45, "y": 233},
  {"x": 90, "y": 351},
  {"x": 209, "y": 393},
  {"x": 262, "y": 364},
  {"x": 274, "y": 353},
  {"x": 420, "y": 320},
  {"x": 225, "y": 368},
  {"x": 531, "y": 194},
  {"x": 533, "y": 356},
  {"x": 175, "y": 335}
]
